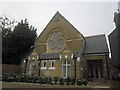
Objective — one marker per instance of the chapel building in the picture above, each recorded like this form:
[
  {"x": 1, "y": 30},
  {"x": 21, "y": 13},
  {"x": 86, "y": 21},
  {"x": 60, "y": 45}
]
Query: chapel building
[{"x": 61, "y": 50}]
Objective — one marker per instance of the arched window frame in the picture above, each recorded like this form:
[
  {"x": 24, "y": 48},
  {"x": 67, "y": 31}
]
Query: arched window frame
[
  {"x": 50, "y": 63},
  {"x": 44, "y": 64},
  {"x": 66, "y": 64}
]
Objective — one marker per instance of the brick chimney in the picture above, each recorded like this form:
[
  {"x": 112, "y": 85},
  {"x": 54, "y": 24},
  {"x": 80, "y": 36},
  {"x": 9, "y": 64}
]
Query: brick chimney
[{"x": 117, "y": 16}]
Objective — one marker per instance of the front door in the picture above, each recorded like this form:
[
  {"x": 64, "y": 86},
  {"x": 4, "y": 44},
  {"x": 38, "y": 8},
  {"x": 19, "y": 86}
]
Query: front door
[
  {"x": 94, "y": 68},
  {"x": 96, "y": 72}
]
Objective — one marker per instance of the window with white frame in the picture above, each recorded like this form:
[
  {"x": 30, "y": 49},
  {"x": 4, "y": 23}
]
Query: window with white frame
[
  {"x": 52, "y": 64},
  {"x": 66, "y": 68},
  {"x": 44, "y": 64}
]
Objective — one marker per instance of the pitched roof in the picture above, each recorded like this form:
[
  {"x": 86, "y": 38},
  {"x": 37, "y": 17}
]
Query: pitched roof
[{"x": 96, "y": 44}]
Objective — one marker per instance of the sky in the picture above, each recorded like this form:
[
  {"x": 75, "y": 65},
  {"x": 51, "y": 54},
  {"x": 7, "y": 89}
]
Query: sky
[{"x": 89, "y": 18}]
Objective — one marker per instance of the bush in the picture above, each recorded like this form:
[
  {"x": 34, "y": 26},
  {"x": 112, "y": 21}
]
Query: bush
[
  {"x": 61, "y": 80},
  {"x": 68, "y": 81},
  {"x": 82, "y": 82},
  {"x": 55, "y": 79},
  {"x": 42, "y": 79},
  {"x": 85, "y": 82},
  {"x": 49, "y": 81},
  {"x": 73, "y": 81},
  {"x": 79, "y": 82}
]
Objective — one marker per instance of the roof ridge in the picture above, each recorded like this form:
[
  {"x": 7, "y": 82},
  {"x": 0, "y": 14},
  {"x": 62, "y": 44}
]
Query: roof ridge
[{"x": 94, "y": 35}]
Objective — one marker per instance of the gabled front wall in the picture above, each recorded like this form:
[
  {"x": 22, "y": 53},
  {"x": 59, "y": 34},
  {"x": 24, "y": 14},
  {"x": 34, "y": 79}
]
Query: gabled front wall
[{"x": 74, "y": 41}]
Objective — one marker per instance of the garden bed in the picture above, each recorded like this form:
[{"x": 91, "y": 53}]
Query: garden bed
[{"x": 42, "y": 79}]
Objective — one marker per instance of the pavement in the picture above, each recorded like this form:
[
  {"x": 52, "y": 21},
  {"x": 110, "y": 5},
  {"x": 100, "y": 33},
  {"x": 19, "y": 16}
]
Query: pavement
[{"x": 37, "y": 85}]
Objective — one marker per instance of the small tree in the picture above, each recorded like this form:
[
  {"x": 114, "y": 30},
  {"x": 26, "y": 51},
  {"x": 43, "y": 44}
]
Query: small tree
[
  {"x": 17, "y": 39},
  {"x": 24, "y": 37}
]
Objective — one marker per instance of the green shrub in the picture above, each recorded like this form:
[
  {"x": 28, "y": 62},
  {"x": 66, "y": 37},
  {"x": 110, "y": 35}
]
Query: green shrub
[
  {"x": 73, "y": 81},
  {"x": 55, "y": 79},
  {"x": 61, "y": 80},
  {"x": 85, "y": 82},
  {"x": 42, "y": 79},
  {"x": 68, "y": 81},
  {"x": 79, "y": 82}
]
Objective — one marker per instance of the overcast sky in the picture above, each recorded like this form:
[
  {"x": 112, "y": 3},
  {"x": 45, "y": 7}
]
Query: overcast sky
[{"x": 90, "y": 18}]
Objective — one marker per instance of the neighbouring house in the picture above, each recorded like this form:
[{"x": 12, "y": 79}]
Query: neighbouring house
[{"x": 114, "y": 40}]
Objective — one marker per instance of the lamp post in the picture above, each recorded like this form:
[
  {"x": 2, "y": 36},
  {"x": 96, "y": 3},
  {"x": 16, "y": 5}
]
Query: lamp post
[
  {"x": 75, "y": 66},
  {"x": 26, "y": 59},
  {"x": 39, "y": 67},
  {"x": 75, "y": 72},
  {"x": 66, "y": 66},
  {"x": 38, "y": 58}
]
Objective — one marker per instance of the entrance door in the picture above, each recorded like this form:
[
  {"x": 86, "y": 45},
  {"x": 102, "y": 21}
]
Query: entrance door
[
  {"x": 32, "y": 67},
  {"x": 95, "y": 68},
  {"x": 96, "y": 72},
  {"x": 66, "y": 68}
]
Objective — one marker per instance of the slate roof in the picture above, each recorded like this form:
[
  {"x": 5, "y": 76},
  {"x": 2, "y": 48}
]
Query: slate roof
[
  {"x": 49, "y": 56},
  {"x": 96, "y": 44}
]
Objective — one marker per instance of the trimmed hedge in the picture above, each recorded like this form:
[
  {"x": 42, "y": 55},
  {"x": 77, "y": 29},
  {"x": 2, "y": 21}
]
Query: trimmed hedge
[{"x": 42, "y": 79}]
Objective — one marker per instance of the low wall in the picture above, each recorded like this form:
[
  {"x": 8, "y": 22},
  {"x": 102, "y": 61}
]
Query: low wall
[{"x": 7, "y": 68}]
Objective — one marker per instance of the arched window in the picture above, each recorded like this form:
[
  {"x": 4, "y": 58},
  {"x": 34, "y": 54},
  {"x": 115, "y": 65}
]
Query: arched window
[
  {"x": 66, "y": 68},
  {"x": 44, "y": 64},
  {"x": 51, "y": 64}
]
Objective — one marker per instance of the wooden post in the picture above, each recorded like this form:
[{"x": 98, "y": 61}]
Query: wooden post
[{"x": 39, "y": 68}]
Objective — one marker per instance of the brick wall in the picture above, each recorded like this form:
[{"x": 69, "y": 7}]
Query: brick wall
[{"x": 6, "y": 68}]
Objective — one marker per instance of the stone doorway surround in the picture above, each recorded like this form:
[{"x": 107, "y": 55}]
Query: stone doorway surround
[{"x": 95, "y": 69}]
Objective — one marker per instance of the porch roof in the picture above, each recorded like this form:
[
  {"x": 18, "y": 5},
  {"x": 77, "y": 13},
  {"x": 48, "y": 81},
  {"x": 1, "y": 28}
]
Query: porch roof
[
  {"x": 96, "y": 44},
  {"x": 49, "y": 56}
]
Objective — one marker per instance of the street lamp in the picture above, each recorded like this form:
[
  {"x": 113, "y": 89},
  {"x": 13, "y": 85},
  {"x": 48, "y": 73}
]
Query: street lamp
[
  {"x": 74, "y": 57},
  {"x": 60, "y": 56},
  {"x": 39, "y": 64},
  {"x": 66, "y": 56},
  {"x": 25, "y": 61}
]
